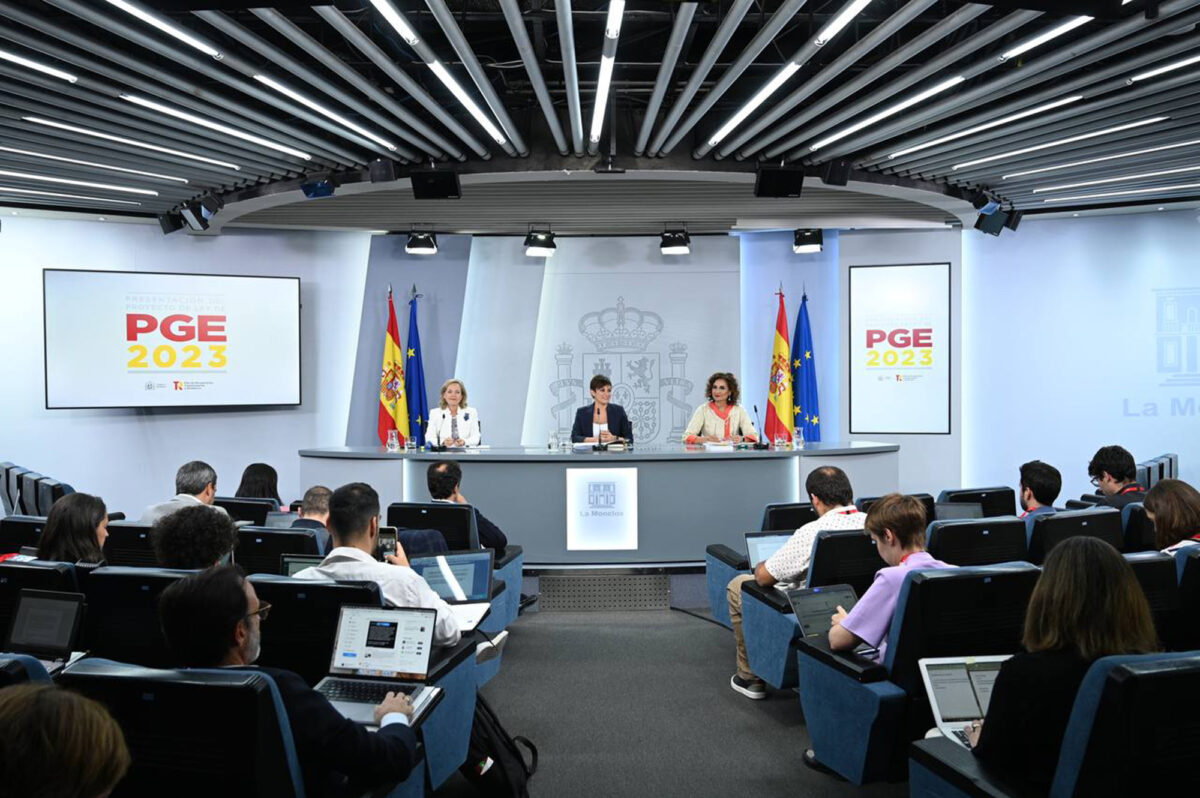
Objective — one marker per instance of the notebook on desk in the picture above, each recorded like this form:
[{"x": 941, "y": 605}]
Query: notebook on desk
[
  {"x": 959, "y": 690},
  {"x": 463, "y": 579},
  {"x": 46, "y": 625},
  {"x": 378, "y": 650}
]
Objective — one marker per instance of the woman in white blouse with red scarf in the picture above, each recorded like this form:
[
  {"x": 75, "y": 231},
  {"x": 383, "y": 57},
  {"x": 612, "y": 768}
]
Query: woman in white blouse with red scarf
[{"x": 721, "y": 418}]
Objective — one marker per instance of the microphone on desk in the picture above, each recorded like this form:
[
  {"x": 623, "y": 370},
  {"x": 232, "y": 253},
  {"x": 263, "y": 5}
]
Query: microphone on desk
[
  {"x": 600, "y": 445},
  {"x": 759, "y": 444}
]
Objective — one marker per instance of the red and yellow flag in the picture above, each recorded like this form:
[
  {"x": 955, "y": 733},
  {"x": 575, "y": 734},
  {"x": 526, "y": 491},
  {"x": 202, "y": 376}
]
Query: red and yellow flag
[
  {"x": 780, "y": 418},
  {"x": 393, "y": 404}
]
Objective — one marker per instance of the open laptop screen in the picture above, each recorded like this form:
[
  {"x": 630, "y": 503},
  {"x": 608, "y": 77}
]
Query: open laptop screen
[
  {"x": 293, "y": 564},
  {"x": 470, "y": 571},
  {"x": 815, "y": 606},
  {"x": 391, "y": 643},
  {"x": 45, "y": 623},
  {"x": 961, "y": 691},
  {"x": 761, "y": 545}
]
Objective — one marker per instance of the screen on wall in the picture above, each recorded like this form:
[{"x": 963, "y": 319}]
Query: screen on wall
[
  {"x": 139, "y": 339},
  {"x": 900, "y": 349}
]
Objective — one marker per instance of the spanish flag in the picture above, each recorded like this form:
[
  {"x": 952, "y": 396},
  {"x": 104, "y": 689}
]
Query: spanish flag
[
  {"x": 393, "y": 404},
  {"x": 780, "y": 418}
]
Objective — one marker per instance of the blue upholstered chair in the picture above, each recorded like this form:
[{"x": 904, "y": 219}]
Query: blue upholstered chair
[
  {"x": 781, "y": 517},
  {"x": 721, "y": 565},
  {"x": 129, "y": 544},
  {"x": 36, "y": 575},
  {"x": 6, "y": 502},
  {"x": 1187, "y": 571},
  {"x": 997, "y": 500},
  {"x": 447, "y": 732},
  {"x": 1156, "y": 574},
  {"x": 1053, "y": 528},
  {"x": 21, "y": 668},
  {"x": 493, "y": 624},
  {"x": 121, "y": 622},
  {"x": 195, "y": 732},
  {"x": 1138, "y": 528},
  {"x": 864, "y": 503},
  {"x": 843, "y": 558},
  {"x": 20, "y": 530},
  {"x": 862, "y": 714},
  {"x": 1128, "y": 735},
  {"x": 509, "y": 568},
  {"x": 259, "y": 548},
  {"x": 977, "y": 541}
]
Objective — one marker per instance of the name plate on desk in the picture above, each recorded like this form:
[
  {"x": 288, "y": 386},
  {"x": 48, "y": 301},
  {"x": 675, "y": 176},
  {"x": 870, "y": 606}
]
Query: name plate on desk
[{"x": 602, "y": 509}]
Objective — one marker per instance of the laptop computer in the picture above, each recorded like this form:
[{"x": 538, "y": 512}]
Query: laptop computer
[
  {"x": 463, "y": 579},
  {"x": 292, "y": 564},
  {"x": 959, "y": 690},
  {"x": 46, "y": 625},
  {"x": 378, "y": 650},
  {"x": 761, "y": 545},
  {"x": 814, "y": 608},
  {"x": 951, "y": 511}
]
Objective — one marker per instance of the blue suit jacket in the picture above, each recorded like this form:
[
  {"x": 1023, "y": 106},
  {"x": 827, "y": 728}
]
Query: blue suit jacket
[{"x": 618, "y": 423}]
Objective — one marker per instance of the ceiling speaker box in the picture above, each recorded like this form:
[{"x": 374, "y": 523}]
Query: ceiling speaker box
[
  {"x": 381, "y": 170},
  {"x": 835, "y": 172},
  {"x": 778, "y": 181},
  {"x": 438, "y": 184}
]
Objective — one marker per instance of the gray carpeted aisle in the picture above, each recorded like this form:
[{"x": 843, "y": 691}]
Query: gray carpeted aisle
[{"x": 638, "y": 703}]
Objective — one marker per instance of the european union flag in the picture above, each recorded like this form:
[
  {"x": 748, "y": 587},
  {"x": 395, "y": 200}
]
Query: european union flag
[
  {"x": 804, "y": 378},
  {"x": 414, "y": 377}
]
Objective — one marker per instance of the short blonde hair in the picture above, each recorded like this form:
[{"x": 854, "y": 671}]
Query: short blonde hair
[{"x": 442, "y": 393}]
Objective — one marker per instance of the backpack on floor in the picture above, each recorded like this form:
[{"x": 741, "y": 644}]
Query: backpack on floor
[{"x": 508, "y": 775}]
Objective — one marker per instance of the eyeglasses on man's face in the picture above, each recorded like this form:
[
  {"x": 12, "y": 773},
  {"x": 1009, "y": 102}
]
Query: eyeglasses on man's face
[{"x": 264, "y": 609}]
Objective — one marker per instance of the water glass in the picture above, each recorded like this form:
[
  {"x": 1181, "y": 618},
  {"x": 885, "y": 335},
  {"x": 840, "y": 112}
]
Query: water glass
[
  {"x": 553, "y": 442},
  {"x": 393, "y": 441}
]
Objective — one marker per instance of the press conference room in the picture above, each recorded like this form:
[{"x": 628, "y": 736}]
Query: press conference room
[{"x": 608, "y": 398}]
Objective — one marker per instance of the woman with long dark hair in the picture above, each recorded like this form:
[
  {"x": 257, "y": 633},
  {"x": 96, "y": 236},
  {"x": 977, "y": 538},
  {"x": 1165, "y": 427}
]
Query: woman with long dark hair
[
  {"x": 259, "y": 481},
  {"x": 76, "y": 530},
  {"x": 1173, "y": 506}
]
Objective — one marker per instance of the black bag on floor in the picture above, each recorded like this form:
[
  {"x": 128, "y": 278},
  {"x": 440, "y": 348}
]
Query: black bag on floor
[{"x": 508, "y": 775}]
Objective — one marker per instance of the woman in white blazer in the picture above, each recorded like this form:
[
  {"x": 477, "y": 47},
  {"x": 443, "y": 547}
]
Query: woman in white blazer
[{"x": 453, "y": 422}]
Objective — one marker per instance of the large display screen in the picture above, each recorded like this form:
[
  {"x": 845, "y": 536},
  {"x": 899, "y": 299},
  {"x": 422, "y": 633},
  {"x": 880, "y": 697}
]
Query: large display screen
[
  {"x": 140, "y": 339},
  {"x": 900, "y": 349}
]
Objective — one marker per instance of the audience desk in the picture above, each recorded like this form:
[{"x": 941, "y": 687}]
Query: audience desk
[{"x": 687, "y": 497}]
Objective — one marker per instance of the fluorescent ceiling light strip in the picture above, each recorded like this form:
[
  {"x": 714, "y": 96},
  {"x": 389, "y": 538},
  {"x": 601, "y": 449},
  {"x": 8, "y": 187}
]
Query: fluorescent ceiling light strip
[
  {"x": 835, "y": 25},
  {"x": 986, "y": 126},
  {"x": 461, "y": 95},
  {"x": 326, "y": 112},
  {"x": 1053, "y": 33},
  {"x": 37, "y": 67},
  {"x": 85, "y": 183},
  {"x": 1060, "y": 142},
  {"x": 1126, "y": 193},
  {"x": 37, "y": 120},
  {"x": 49, "y": 157},
  {"x": 766, "y": 91},
  {"x": 217, "y": 126},
  {"x": 34, "y": 192},
  {"x": 1103, "y": 158},
  {"x": 1155, "y": 72},
  {"x": 602, "y": 83},
  {"x": 166, "y": 27},
  {"x": 895, "y": 109},
  {"x": 612, "y": 23},
  {"x": 398, "y": 22},
  {"x": 1121, "y": 179}
]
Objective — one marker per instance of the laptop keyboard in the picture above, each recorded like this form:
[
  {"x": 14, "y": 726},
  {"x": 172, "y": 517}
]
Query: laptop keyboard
[
  {"x": 962, "y": 737},
  {"x": 362, "y": 692}
]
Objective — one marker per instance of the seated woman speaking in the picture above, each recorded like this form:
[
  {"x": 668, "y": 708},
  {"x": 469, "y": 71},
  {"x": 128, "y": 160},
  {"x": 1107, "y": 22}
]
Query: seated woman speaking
[
  {"x": 601, "y": 422},
  {"x": 453, "y": 422},
  {"x": 722, "y": 418}
]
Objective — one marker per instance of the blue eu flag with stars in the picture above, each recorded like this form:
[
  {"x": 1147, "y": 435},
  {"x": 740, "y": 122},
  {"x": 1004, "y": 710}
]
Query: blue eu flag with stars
[
  {"x": 804, "y": 378},
  {"x": 414, "y": 377}
]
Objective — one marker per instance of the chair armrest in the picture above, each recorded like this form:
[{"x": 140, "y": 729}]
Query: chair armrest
[
  {"x": 734, "y": 559},
  {"x": 858, "y": 668},
  {"x": 769, "y": 596},
  {"x": 445, "y": 658},
  {"x": 511, "y": 552},
  {"x": 958, "y": 767},
  {"x": 498, "y": 587}
]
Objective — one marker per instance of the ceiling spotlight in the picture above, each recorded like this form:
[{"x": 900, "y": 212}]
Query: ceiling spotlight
[
  {"x": 211, "y": 203},
  {"x": 193, "y": 215},
  {"x": 319, "y": 186},
  {"x": 984, "y": 202},
  {"x": 540, "y": 244},
  {"x": 675, "y": 242},
  {"x": 991, "y": 223},
  {"x": 808, "y": 241},
  {"x": 170, "y": 222},
  {"x": 421, "y": 244}
]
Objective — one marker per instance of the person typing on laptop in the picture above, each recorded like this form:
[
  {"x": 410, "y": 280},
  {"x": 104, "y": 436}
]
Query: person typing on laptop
[
  {"x": 832, "y": 497},
  {"x": 213, "y": 619},
  {"x": 354, "y": 525}
]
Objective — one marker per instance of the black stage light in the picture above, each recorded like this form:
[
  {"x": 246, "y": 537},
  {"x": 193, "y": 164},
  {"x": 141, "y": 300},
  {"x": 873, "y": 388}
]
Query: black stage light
[
  {"x": 319, "y": 186},
  {"x": 170, "y": 222},
  {"x": 211, "y": 203},
  {"x": 835, "y": 172},
  {"x": 540, "y": 244},
  {"x": 991, "y": 223},
  {"x": 1014, "y": 219},
  {"x": 435, "y": 184},
  {"x": 984, "y": 202},
  {"x": 675, "y": 242},
  {"x": 382, "y": 170},
  {"x": 421, "y": 244},
  {"x": 807, "y": 241},
  {"x": 778, "y": 181},
  {"x": 193, "y": 214}
]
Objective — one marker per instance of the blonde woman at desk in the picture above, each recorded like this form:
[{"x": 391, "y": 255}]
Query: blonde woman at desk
[
  {"x": 453, "y": 422},
  {"x": 721, "y": 418}
]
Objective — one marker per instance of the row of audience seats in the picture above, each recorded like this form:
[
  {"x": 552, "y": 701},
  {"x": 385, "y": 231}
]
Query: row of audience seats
[{"x": 25, "y": 492}]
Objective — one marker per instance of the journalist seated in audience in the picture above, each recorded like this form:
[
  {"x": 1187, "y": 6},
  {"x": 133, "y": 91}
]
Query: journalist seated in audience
[
  {"x": 897, "y": 525},
  {"x": 721, "y": 418},
  {"x": 76, "y": 530},
  {"x": 453, "y": 422},
  {"x": 444, "y": 480},
  {"x": 829, "y": 490},
  {"x": 57, "y": 744},
  {"x": 195, "y": 483},
  {"x": 354, "y": 524},
  {"x": 195, "y": 537},
  {"x": 214, "y": 619},
  {"x": 314, "y": 515},
  {"x": 1039, "y": 487},
  {"x": 1173, "y": 506},
  {"x": 259, "y": 481},
  {"x": 1113, "y": 471},
  {"x": 1087, "y": 604}
]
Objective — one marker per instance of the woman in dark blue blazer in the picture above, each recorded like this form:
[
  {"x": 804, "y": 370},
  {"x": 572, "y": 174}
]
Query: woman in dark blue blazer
[{"x": 600, "y": 419}]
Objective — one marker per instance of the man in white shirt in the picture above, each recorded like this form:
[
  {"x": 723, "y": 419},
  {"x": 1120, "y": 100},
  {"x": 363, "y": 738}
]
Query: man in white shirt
[
  {"x": 354, "y": 525},
  {"x": 832, "y": 497},
  {"x": 195, "y": 483}
]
